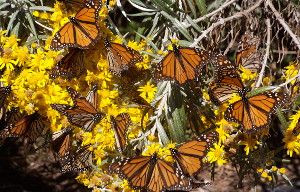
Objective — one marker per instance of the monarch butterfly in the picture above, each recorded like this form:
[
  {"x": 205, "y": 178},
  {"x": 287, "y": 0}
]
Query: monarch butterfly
[
  {"x": 189, "y": 155},
  {"x": 70, "y": 66},
  {"x": 248, "y": 55},
  {"x": 254, "y": 113},
  {"x": 182, "y": 63},
  {"x": 120, "y": 126},
  {"x": 150, "y": 173},
  {"x": 82, "y": 31},
  {"x": 121, "y": 57},
  {"x": 84, "y": 113},
  {"x": 61, "y": 142},
  {"x": 223, "y": 66},
  {"x": 222, "y": 90},
  {"x": 30, "y": 127},
  {"x": 81, "y": 160}
]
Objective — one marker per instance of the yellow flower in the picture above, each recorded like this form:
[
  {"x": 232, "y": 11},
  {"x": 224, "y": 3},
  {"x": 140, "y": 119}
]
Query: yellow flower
[
  {"x": 246, "y": 74},
  {"x": 282, "y": 170},
  {"x": 292, "y": 143},
  {"x": 291, "y": 71},
  {"x": 223, "y": 127},
  {"x": 216, "y": 154},
  {"x": 148, "y": 91},
  {"x": 250, "y": 143}
]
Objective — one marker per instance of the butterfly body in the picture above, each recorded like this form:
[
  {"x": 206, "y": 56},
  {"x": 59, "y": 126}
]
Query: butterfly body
[
  {"x": 150, "y": 173},
  {"x": 82, "y": 31}
]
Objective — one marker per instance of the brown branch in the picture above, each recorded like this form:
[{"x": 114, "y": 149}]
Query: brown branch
[
  {"x": 262, "y": 71},
  {"x": 222, "y": 21},
  {"x": 283, "y": 23}
]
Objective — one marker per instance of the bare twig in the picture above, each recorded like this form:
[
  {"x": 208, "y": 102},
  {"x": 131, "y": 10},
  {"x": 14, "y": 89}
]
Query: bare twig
[
  {"x": 222, "y": 21},
  {"x": 213, "y": 13},
  {"x": 231, "y": 42},
  {"x": 286, "y": 52},
  {"x": 287, "y": 82},
  {"x": 262, "y": 71},
  {"x": 283, "y": 23}
]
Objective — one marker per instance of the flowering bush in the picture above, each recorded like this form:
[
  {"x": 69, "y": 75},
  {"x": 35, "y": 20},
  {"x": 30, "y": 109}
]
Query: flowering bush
[{"x": 164, "y": 112}]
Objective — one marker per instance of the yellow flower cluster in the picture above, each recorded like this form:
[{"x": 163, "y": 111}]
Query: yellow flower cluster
[
  {"x": 291, "y": 137},
  {"x": 268, "y": 174}
]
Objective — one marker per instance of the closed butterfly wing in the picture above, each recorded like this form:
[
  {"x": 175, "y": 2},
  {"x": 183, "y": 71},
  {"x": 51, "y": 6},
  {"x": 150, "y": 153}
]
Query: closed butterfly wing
[
  {"x": 84, "y": 113},
  {"x": 120, "y": 126},
  {"x": 248, "y": 55},
  {"x": 223, "y": 67},
  {"x": 121, "y": 57},
  {"x": 70, "y": 66},
  {"x": 82, "y": 31},
  {"x": 189, "y": 155},
  {"x": 182, "y": 63},
  {"x": 150, "y": 173},
  {"x": 80, "y": 161},
  {"x": 30, "y": 127},
  {"x": 254, "y": 113},
  {"x": 224, "y": 88},
  {"x": 61, "y": 142}
]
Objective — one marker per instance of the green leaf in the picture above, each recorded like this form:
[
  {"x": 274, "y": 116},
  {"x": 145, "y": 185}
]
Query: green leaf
[
  {"x": 192, "y": 7},
  {"x": 148, "y": 42},
  {"x": 4, "y": 5},
  {"x": 181, "y": 28},
  {"x": 201, "y": 4},
  {"x": 195, "y": 25},
  {"x": 15, "y": 30},
  {"x": 31, "y": 23},
  {"x": 163, "y": 6},
  {"x": 282, "y": 120},
  {"x": 142, "y": 14},
  {"x": 260, "y": 90},
  {"x": 142, "y": 6},
  {"x": 177, "y": 123},
  {"x": 41, "y": 8},
  {"x": 11, "y": 21},
  {"x": 161, "y": 132}
]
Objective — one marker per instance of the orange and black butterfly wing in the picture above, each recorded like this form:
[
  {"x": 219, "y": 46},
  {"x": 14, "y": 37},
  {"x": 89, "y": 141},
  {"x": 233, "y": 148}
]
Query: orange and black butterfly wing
[
  {"x": 248, "y": 55},
  {"x": 30, "y": 127},
  {"x": 223, "y": 67},
  {"x": 61, "y": 142},
  {"x": 189, "y": 155},
  {"x": 255, "y": 114},
  {"x": 120, "y": 126},
  {"x": 166, "y": 177},
  {"x": 181, "y": 64},
  {"x": 83, "y": 113},
  {"x": 82, "y": 31},
  {"x": 121, "y": 57},
  {"x": 70, "y": 66},
  {"x": 222, "y": 89}
]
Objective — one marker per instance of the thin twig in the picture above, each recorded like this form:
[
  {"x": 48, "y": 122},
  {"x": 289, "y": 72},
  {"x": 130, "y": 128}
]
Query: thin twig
[
  {"x": 283, "y": 23},
  {"x": 212, "y": 13},
  {"x": 287, "y": 82},
  {"x": 262, "y": 71},
  {"x": 231, "y": 42},
  {"x": 222, "y": 21},
  {"x": 286, "y": 52}
]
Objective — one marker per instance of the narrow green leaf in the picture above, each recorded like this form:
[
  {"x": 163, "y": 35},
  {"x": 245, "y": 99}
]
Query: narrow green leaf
[
  {"x": 31, "y": 23},
  {"x": 201, "y": 4},
  {"x": 119, "y": 5},
  {"x": 4, "y": 5},
  {"x": 161, "y": 132},
  {"x": 142, "y": 14},
  {"x": 163, "y": 6},
  {"x": 195, "y": 25},
  {"x": 41, "y": 8},
  {"x": 30, "y": 40},
  {"x": 15, "y": 30},
  {"x": 192, "y": 7},
  {"x": 282, "y": 120},
  {"x": 155, "y": 21},
  {"x": 177, "y": 122},
  {"x": 11, "y": 21},
  {"x": 181, "y": 28},
  {"x": 260, "y": 90},
  {"x": 141, "y": 6}
]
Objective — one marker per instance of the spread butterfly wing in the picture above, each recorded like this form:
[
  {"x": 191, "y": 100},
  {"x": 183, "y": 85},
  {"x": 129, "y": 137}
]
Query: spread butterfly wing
[
  {"x": 121, "y": 57},
  {"x": 150, "y": 173},
  {"x": 82, "y": 31},
  {"x": 255, "y": 114},
  {"x": 189, "y": 155},
  {"x": 120, "y": 126},
  {"x": 70, "y": 66},
  {"x": 181, "y": 64}
]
